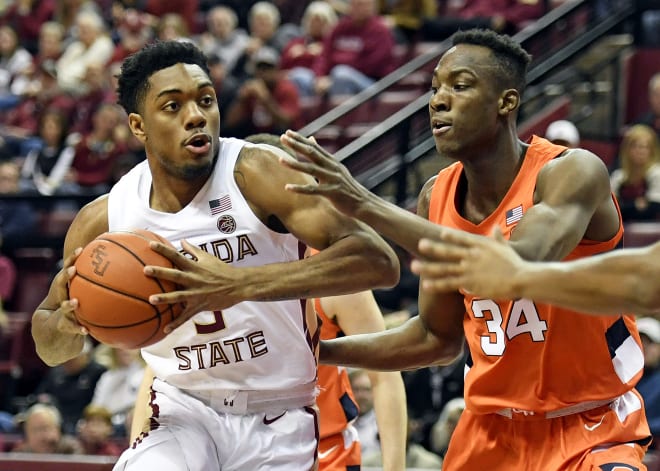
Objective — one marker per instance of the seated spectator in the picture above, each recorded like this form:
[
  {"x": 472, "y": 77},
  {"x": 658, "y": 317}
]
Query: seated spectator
[
  {"x": 365, "y": 423},
  {"x": 92, "y": 46},
  {"x": 223, "y": 38},
  {"x": 17, "y": 217},
  {"x": 225, "y": 85},
  {"x": 406, "y": 17},
  {"x": 172, "y": 27},
  {"x": 563, "y": 133},
  {"x": 299, "y": 55},
  {"x": 265, "y": 30},
  {"x": 267, "y": 103},
  {"x": 186, "y": 9},
  {"x": 637, "y": 182},
  {"x": 649, "y": 385},
  {"x": 42, "y": 432},
  {"x": 652, "y": 116},
  {"x": 46, "y": 169},
  {"x": 95, "y": 432},
  {"x": 70, "y": 386},
  {"x": 117, "y": 388},
  {"x": 357, "y": 52},
  {"x": 502, "y": 16},
  {"x": 15, "y": 61},
  {"x": 26, "y": 17},
  {"x": 97, "y": 152},
  {"x": 443, "y": 429},
  {"x": 133, "y": 30}
]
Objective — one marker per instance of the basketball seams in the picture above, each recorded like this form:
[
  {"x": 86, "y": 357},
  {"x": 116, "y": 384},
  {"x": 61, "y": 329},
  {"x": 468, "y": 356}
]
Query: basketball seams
[{"x": 136, "y": 256}]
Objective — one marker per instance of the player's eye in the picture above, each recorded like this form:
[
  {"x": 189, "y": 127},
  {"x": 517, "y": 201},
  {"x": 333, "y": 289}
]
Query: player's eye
[{"x": 171, "y": 106}]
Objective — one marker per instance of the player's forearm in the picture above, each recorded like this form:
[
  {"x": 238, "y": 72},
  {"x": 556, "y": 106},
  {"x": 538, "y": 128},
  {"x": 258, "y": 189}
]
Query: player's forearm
[
  {"x": 396, "y": 223},
  {"x": 350, "y": 265},
  {"x": 53, "y": 346},
  {"x": 408, "y": 346},
  {"x": 392, "y": 417},
  {"x": 608, "y": 284},
  {"x": 140, "y": 420}
]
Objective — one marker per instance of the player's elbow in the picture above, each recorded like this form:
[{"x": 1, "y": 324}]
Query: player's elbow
[
  {"x": 384, "y": 264},
  {"x": 450, "y": 352}
]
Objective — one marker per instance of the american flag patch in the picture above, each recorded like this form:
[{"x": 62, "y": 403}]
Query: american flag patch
[
  {"x": 514, "y": 215},
  {"x": 221, "y": 204}
]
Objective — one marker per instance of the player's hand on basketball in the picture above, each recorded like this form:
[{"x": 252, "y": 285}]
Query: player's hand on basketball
[
  {"x": 334, "y": 181},
  {"x": 64, "y": 315},
  {"x": 205, "y": 281}
]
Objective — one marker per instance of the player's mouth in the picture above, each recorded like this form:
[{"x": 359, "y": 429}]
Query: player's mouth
[
  {"x": 439, "y": 126},
  {"x": 199, "y": 143}
]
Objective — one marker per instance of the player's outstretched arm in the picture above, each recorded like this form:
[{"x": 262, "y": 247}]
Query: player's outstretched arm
[
  {"x": 335, "y": 183},
  {"x": 359, "y": 313},
  {"x": 57, "y": 335},
  {"x": 624, "y": 280}
]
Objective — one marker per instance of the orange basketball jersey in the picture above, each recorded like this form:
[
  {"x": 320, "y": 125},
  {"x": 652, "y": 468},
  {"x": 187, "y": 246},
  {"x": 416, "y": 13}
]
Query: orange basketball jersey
[
  {"x": 336, "y": 402},
  {"x": 530, "y": 356}
]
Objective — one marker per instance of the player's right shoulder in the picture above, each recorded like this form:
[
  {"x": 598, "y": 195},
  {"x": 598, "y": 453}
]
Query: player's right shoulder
[{"x": 91, "y": 221}]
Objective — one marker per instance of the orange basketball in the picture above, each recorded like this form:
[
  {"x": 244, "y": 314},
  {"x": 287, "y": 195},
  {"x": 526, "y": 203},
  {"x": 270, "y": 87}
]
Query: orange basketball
[{"x": 113, "y": 292}]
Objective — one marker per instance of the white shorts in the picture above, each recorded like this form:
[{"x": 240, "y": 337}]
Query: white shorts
[{"x": 190, "y": 435}]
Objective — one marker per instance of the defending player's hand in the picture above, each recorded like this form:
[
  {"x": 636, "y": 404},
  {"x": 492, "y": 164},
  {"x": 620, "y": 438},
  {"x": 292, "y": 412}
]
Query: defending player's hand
[
  {"x": 206, "y": 283},
  {"x": 334, "y": 180},
  {"x": 459, "y": 260}
]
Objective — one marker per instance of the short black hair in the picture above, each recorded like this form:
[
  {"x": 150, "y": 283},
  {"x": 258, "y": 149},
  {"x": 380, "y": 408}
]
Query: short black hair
[
  {"x": 138, "y": 67},
  {"x": 512, "y": 59}
]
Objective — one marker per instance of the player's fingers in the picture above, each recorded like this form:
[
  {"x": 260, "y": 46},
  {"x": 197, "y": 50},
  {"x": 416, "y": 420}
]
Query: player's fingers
[
  {"x": 441, "y": 251},
  {"x": 187, "y": 313},
  {"x": 67, "y": 321},
  {"x": 71, "y": 259},
  {"x": 435, "y": 269},
  {"x": 442, "y": 285},
  {"x": 308, "y": 147}
]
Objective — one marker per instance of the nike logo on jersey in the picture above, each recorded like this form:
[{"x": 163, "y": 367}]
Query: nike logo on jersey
[
  {"x": 268, "y": 421},
  {"x": 326, "y": 453},
  {"x": 595, "y": 426}
]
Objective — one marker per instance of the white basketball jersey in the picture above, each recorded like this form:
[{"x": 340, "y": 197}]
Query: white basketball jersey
[{"x": 252, "y": 345}]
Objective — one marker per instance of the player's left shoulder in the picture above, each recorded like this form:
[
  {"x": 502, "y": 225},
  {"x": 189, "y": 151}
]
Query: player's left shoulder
[{"x": 578, "y": 160}]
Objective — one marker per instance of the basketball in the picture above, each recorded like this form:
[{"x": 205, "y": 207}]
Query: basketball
[{"x": 113, "y": 292}]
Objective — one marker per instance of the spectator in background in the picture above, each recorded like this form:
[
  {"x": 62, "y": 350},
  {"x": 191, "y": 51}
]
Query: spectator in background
[
  {"x": 356, "y": 52},
  {"x": 223, "y": 38},
  {"x": 172, "y": 26},
  {"x": 225, "y": 85},
  {"x": 26, "y": 18},
  {"x": 406, "y": 17},
  {"x": 15, "y": 61},
  {"x": 92, "y": 46},
  {"x": 17, "y": 218},
  {"x": 186, "y": 9},
  {"x": 95, "y": 432},
  {"x": 70, "y": 386},
  {"x": 42, "y": 432},
  {"x": 366, "y": 423},
  {"x": 300, "y": 53},
  {"x": 637, "y": 182},
  {"x": 46, "y": 169},
  {"x": 265, "y": 30},
  {"x": 649, "y": 386},
  {"x": 66, "y": 14},
  {"x": 652, "y": 116},
  {"x": 133, "y": 29},
  {"x": 117, "y": 387},
  {"x": 444, "y": 428},
  {"x": 267, "y": 103},
  {"x": 564, "y": 133},
  {"x": 502, "y": 16},
  {"x": 98, "y": 151}
]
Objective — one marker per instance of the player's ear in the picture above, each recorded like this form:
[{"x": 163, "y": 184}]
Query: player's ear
[
  {"x": 509, "y": 101},
  {"x": 136, "y": 124}
]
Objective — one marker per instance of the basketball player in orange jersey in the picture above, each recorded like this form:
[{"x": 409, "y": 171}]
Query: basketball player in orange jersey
[
  {"x": 546, "y": 388},
  {"x": 235, "y": 382},
  {"x": 621, "y": 280},
  {"x": 339, "y": 449}
]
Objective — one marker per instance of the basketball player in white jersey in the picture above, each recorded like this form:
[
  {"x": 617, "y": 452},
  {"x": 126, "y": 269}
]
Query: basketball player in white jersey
[{"x": 234, "y": 385}]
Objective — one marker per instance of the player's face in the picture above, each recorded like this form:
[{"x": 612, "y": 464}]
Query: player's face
[
  {"x": 180, "y": 121},
  {"x": 464, "y": 100}
]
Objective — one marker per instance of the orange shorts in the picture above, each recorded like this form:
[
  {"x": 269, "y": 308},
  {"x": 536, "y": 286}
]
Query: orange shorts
[
  {"x": 340, "y": 452},
  {"x": 613, "y": 437}
]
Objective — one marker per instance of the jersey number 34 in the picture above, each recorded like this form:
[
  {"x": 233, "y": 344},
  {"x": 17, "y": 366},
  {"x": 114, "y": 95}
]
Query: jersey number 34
[{"x": 523, "y": 319}]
